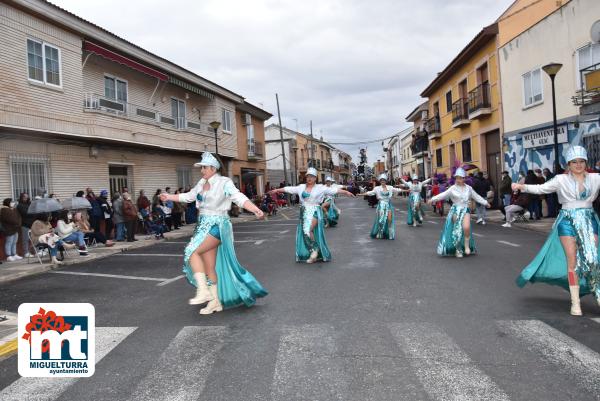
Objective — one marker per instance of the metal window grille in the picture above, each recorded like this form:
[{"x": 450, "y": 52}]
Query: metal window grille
[{"x": 29, "y": 174}]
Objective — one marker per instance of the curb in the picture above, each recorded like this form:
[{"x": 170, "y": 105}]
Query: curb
[
  {"x": 36, "y": 268},
  {"x": 8, "y": 348}
]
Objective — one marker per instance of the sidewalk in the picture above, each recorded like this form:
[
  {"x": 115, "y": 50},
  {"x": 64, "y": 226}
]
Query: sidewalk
[
  {"x": 10, "y": 271},
  {"x": 543, "y": 225}
]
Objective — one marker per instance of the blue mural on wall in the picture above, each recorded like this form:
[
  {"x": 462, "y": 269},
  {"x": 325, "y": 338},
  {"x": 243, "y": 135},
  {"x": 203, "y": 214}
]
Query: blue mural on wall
[{"x": 519, "y": 159}]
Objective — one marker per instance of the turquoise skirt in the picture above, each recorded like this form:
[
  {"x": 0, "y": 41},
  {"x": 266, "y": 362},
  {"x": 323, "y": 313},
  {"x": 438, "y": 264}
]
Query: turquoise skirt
[
  {"x": 333, "y": 214},
  {"x": 304, "y": 245},
  {"x": 381, "y": 229},
  {"x": 550, "y": 264},
  {"x": 453, "y": 237},
  {"x": 414, "y": 212},
  {"x": 235, "y": 285}
]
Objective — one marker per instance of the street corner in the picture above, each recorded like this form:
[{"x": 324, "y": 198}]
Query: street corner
[{"x": 8, "y": 334}]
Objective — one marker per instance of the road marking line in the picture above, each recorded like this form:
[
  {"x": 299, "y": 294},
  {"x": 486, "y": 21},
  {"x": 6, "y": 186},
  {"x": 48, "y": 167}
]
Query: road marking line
[
  {"x": 478, "y": 235},
  {"x": 50, "y": 388},
  {"x": 284, "y": 216},
  {"x": 575, "y": 359},
  {"x": 110, "y": 276},
  {"x": 8, "y": 347},
  {"x": 509, "y": 243},
  {"x": 169, "y": 281},
  {"x": 432, "y": 222},
  {"x": 443, "y": 368},
  {"x": 595, "y": 319},
  {"x": 260, "y": 232},
  {"x": 148, "y": 254},
  {"x": 307, "y": 354},
  {"x": 267, "y": 224},
  {"x": 181, "y": 374}
]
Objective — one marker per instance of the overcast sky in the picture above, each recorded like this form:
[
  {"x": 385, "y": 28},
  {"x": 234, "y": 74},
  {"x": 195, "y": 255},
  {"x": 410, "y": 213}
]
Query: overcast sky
[{"x": 354, "y": 67}]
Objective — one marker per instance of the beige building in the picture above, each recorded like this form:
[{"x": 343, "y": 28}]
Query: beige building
[{"x": 81, "y": 107}]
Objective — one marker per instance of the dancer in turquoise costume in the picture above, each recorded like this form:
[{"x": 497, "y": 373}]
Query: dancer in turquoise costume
[
  {"x": 456, "y": 238},
  {"x": 569, "y": 257},
  {"x": 330, "y": 209},
  {"x": 310, "y": 234},
  {"x": 210, "y": 263},
  {"x": 415, "y": 211},
  {"x": 384, "y": 226}
]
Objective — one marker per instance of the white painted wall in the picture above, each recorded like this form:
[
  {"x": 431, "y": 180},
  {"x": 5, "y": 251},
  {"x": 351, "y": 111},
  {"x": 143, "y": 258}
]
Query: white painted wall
[{"x": 554, "y": 39}]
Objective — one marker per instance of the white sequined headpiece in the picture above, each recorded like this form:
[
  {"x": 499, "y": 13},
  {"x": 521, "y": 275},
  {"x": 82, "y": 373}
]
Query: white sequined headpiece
[
  {"x": 311, "y": 171},
  {"x": 460, "y": 172},
  {"x": 415, "y": 177},
  {"x": 576, "y": 152},
  {"x": 328, "y": 178},
  {"x": 208, "y": 160},
  {"x": 383, "y": 176}
]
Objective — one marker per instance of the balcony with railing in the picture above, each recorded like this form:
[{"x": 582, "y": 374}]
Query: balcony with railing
[
  {"x": 460, "y": 113},
  {"x": 433, "y": 127},
  {"x": 479, "y": 102},
  {"x": 420, "y": 147},
  {"x": 588, "y": 98},
  {"x": 255, "y": 150},
  {"x": 101, "y": 104}
]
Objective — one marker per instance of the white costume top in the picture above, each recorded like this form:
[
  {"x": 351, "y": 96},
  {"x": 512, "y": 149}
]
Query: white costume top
[
  {"x": 317, "y": 194},
  {"x": 460, "y": 196},
  {"x": 418, "y": 187},
  {"x": 565, "y": 187},
  {"x": 383, "y": 194},
  {"x": 217, "y": 200}
]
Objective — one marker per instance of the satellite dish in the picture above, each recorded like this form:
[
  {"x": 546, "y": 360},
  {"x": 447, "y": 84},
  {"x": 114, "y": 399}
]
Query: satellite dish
[{"x": 595, "y": 32}]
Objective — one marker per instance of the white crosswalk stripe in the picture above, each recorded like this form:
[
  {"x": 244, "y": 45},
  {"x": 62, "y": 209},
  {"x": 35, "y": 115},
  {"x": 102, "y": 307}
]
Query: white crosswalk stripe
[
  {"x": 48, "y": 389},
  {"x": 571, "y": 356},
  {"x": 307, "y": 367},
  {"x": 444, "y": 369},
  {"x": 183, "y": 368},
  {"x": 322, "y": 362}
]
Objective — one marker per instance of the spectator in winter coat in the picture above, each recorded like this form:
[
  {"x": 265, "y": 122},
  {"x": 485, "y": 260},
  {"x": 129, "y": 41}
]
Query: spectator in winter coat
[
  {"x": 176, "y": 213},
  {"x": 117, "y": 203},
  {"x": 130, "y": 217},
  {"x": 505, "y": 191},
  {"x": 534, "y": 200},
  {"x": 26, "y": 222},
  {"x": 481, "y": 185},
  {"x": 520, "y": 202},
  {"x": 143, "y": 202},
  {"x": 107, "y": 213},
  {"x": 10, "y": 219}
]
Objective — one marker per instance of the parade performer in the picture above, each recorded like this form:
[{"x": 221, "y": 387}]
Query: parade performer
[
  {"x": 569, "y": 257},
  {"x": 384, "y": 226},
  {"x": 330, "y": 209},
  {"x": 415, "y": 212},
  {"x": 456, "y": 238},
  {"x": 210, "y": 263},
  {"x": 310, "y": 233}
]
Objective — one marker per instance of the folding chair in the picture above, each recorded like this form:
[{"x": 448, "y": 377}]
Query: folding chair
[
  {"x": 37, "y": 249},
  {"x": 90, "y": 242}
]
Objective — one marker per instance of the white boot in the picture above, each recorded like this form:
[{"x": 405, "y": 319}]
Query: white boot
[
  {"x": 575, "y": 304},
  {"x": 203, "y": 295},
  {"x": 215, "y": 304},
  {"x": 313, "y": 256},
  {"x": 467, "y": 246},
  {"x": 56, "y": 261}
]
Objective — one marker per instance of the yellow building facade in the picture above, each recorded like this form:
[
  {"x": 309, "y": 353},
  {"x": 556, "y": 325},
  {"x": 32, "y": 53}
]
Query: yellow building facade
[{"x": 464, "y": 108}]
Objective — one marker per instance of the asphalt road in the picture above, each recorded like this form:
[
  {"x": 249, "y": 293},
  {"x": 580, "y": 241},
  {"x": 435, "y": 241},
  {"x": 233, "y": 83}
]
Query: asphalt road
[{"x": 385, "y": 320}]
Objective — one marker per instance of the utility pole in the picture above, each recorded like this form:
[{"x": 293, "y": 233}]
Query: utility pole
[{"x": 281, "y": 137}]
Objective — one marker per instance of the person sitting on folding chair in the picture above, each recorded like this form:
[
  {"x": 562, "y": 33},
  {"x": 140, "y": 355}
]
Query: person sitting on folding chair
[
  {"x": 69, "y": 233},
  {"x": 89, "y": 234},
  {"x": 42, "y": 236},
  {"x": 152, "y": 226},
  {"x": 519, "y": 203}
]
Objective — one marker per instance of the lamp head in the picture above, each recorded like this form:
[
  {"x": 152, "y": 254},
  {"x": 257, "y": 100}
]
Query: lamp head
[
  {"x": 215, "y": 125},
  {"x": 552, "y": 69}
]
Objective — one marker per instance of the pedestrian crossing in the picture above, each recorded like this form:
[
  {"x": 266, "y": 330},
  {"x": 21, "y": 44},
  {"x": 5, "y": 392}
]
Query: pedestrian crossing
[{"x": 419, "y": 360}]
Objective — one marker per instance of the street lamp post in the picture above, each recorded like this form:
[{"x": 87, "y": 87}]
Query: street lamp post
[
  {"x": 215, "y": 126},
  {"x": 552, "y": 69}
]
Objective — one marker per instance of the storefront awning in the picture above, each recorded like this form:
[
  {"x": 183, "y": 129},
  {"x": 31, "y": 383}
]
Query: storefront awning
[
  {"x": 118, "y": 58},
  {"x": 190, "y": 87}
]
